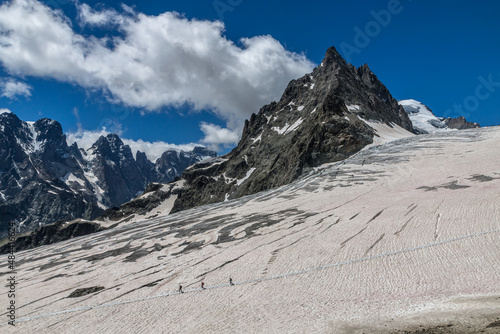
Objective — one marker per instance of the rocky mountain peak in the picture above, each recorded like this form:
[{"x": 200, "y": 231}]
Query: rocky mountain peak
[
  {"x": 48, "y": 136},
  {"x": 43, "y": 180},
  {"x": 48, "y": 128},
  {"x": 324, "y": 116},
  {"x": 7, "y": 116},
  {"x": 333, "y": 57},
  {"x": 115, "y": 143},
  {"x": 424, "y": 121},
  {"x": 460, "y": 123},
  {"x": 110, "y": 144},
  {"x": 12, "y": 128},
  {"x": 203, "y": 151}
]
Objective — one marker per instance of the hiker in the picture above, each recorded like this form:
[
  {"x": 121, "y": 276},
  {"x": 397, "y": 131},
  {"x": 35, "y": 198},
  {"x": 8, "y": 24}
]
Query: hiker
[
  {"x": 231, "y": 281},
  {"x": 180, "y": 289},
  {"x": 203, "y": 285}
]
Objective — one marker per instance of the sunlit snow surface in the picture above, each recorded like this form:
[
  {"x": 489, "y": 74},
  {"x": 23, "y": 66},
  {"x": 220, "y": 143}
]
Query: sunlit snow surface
[
  {"x": 423, "y": 120},
  {"x": 398, "y": 234},
  {"x": 385, "y": 133}
]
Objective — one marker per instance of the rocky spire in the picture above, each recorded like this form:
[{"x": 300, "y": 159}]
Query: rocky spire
[{"x": 321, "y": 117}]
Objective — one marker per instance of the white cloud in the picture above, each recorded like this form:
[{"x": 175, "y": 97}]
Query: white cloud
[
  {"x": 85, "y": 139},
  {"x": 163, "y": 60},
  {"x": 154, "y": 150},
  {"x": 89, "y": 16},
  {"x": 4, "y": 111},
  {"x": 11, "y": 88},
  {"x": 215, "y": 136},
  {"x": 78, "y": 121}
]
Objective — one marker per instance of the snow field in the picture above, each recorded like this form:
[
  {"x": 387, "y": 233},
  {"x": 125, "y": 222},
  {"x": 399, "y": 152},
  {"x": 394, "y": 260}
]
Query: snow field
[{"x": 396, "y": 231}]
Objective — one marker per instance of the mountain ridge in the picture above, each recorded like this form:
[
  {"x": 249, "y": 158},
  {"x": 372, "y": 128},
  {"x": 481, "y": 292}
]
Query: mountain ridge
[
  {"x": 424, "y": 121},
  {"x": 43, "y": 179},
  {"x": 324, "y": 116}
]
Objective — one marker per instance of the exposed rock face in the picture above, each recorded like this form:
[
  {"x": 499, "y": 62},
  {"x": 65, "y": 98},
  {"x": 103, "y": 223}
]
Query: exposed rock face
[
  {"x": 117, "y": 172},
  {"x": 460, "y": 123},
  {"x": 320, "y": 118},
  {"x": 43, "y": 180},
  {"x": 120, "y": 177},
  {"x": 171, "y": 164},
  {"x": 52, "y": 233}
]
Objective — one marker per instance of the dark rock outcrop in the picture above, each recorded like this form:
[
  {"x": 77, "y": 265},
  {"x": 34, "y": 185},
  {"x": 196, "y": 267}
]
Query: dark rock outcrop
[
  {"x": 117, "y": 172},
  {"x": 85, "y": 291},
  {"x": 460, "y": 123},
  {"x": 52, "y": 233}
]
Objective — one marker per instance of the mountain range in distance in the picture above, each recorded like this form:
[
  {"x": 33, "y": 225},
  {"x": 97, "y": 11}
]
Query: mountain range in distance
[{"x": 43, "y": 179}]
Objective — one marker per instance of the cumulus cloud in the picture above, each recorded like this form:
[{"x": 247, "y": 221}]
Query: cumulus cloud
[
  {"x": 215, "y": 136},
  {"x": 85, "y": 139},
  {"x": 10, "y": 88},
  {"x": 158, "y": 61},
  {"x": 91, "y": 17},
  {"x": 154, "y": 150}
]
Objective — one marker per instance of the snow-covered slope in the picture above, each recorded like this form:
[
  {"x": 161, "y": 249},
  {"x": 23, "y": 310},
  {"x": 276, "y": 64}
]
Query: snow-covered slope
[
  {"x": 385, "y": 133},
  {"x": 160, "y": 201},
  {"x": 422, "y": 118},
  {"x": 424, "y": 121},
  {"x": 398, "y": 236}
]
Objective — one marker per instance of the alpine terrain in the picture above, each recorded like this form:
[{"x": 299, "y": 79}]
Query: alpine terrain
[
  {"x": 398, "y": 238},
  {"x": 424, "y": 121},
  {"x": 43, "y": 179},
  {"x": 322, "y": 117},
  {"x": 330, "y": 216}
]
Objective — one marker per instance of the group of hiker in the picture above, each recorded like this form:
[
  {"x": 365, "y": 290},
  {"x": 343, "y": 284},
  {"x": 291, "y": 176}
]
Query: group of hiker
[{"x": 203, "y": 285}]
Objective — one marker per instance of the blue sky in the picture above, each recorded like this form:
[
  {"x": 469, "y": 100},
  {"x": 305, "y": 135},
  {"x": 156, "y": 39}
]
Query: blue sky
[{"x": 137, "y": 69}]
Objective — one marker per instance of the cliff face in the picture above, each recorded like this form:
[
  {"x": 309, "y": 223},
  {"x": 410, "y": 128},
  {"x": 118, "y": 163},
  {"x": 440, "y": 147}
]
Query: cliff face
[
  {"x": 52, "y": 233},
  {"x": 43, "y": 180},
  {"x": 320, "y": 118}
]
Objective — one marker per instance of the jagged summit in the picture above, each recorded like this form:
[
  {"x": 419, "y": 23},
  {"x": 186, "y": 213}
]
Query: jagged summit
[
  {"x": 43, "y": 180},
  {"x": 324, "y": 116},
  {"x": 332, "y": 56},
  {"x": 321, "y": 117}
]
